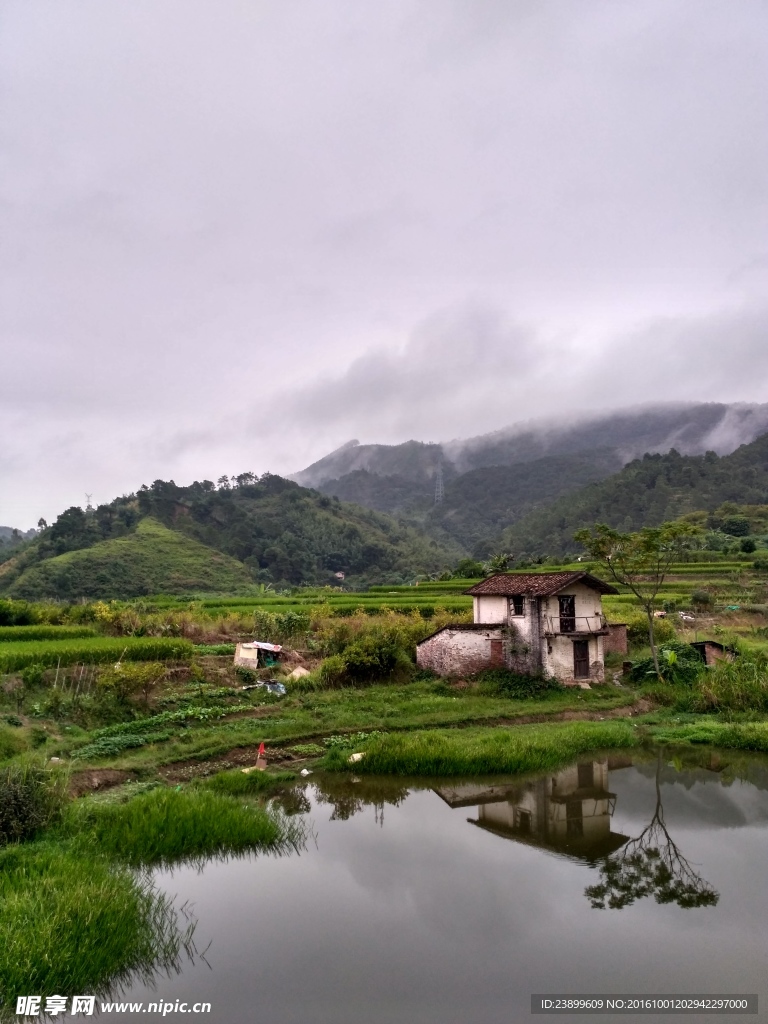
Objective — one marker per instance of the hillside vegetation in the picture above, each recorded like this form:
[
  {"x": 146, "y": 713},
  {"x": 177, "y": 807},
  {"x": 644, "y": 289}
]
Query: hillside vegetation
[
  {"x": 150, "y": 559},
  {"x": 647, "y": 492},
  {"x": 225, "y": 538},
  {"x": 493, "y": 481}
]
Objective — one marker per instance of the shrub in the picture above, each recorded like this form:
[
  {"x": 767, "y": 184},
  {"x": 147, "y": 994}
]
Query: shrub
[
  {"x": 10, "y": 742},
  {"x": 637, "y": 630},
  {"x": 513, "y": 684},
  {"x": 31, "y": 798},
  {"x": 126, "y": 679},
  {"x": 760, "y": 565},
  {"x": 333, "y": 671},
  {"x": 679, "y": 664},
  {"x": 701, "y": 599},
  {"x": 17, "y": 613},
  {"x": 747, "y": 546}
]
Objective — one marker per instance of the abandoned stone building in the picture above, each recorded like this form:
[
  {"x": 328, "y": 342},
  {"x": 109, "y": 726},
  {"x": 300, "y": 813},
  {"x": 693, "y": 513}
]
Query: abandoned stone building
[{"x": 538, "y": 623}]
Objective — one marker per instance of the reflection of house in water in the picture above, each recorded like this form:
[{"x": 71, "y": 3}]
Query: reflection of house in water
[{"x": 568, "y": 812}]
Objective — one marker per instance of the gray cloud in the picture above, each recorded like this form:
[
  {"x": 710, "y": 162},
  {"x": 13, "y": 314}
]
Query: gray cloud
[{"x": 235, "y": 235}]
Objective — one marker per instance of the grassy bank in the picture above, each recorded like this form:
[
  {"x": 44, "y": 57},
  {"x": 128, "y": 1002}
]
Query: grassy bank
[
  {"x": 74, "y": 924},
  {"x": 79, "y": 911},
  {"x": 484, "y": 751},
  {"x": 166, "y": 827}
]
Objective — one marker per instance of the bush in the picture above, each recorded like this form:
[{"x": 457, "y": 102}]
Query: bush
[
  {"x": 17, "y": 613},
  {"x": 126, "y": 679},
  {"x": 637, "y": 630},
  {"x": 747, "y": 546},
  {"x": 679, "y": 664},
  {"x": 760, "y": 565},
  {"x": 701, "y": 599},
  {"x": 31, "y": 798},
  {"x": 10, "y": 742},
  {"x": 513, "y": 684}
]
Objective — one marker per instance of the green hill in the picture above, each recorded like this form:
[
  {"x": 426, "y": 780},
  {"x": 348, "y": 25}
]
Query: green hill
[
  {"x": 205, "y": 537},
  {"x": 646, "y": 492},
  {"x": 149, "y": 560}
]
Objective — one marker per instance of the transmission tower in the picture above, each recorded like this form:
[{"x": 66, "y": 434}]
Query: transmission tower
[
  {"x": 88, "y": 505},
  {"x": 439, "y": 491}
]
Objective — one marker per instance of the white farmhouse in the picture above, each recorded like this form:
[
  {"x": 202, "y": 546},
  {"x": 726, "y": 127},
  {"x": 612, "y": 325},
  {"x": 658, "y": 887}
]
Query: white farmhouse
[{"x": 537, "y": 623}]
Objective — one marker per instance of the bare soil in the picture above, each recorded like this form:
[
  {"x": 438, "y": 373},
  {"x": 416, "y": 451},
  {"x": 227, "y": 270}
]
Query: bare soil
[{"x": 94, "y": 779}]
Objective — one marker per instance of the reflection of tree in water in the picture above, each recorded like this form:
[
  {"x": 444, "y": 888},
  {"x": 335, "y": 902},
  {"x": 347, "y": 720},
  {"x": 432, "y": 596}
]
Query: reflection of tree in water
[
  {"x": 348, "y": 797},
  {"x": 650, "y": 865},
  {"x": 292, "y": 800}
]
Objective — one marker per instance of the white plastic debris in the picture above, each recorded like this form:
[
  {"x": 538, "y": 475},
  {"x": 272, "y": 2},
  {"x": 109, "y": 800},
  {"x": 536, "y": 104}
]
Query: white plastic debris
[
  {"x": 305, "y": 772},
  {"x": 354, "y": 758}
]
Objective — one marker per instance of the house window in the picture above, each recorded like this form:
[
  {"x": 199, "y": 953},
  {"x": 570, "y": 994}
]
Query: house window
[{"x": 517, "y": 606}]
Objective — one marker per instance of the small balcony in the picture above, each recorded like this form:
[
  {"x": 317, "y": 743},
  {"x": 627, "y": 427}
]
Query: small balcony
[{"x": 568, "y": 625}]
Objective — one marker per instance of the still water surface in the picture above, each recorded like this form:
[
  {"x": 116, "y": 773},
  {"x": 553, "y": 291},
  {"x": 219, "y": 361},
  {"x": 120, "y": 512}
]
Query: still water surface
[{"x": 453, "y": 901}]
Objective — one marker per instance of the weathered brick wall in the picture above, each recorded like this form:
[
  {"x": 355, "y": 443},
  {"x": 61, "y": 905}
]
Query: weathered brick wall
[
  {"x": 455, "y": 652},
  {"x": 616, "y": 639}
]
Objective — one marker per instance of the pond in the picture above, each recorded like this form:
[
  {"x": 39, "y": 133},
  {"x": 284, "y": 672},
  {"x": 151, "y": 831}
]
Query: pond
[{"x": 455, "y": 900}]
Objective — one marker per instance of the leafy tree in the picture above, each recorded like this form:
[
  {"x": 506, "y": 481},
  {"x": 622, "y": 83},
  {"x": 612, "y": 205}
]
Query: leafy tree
[
  {"x": 639, "y": 561},
  {"x": 497, "y": 563},
  {"x": 650, "y": 865}
]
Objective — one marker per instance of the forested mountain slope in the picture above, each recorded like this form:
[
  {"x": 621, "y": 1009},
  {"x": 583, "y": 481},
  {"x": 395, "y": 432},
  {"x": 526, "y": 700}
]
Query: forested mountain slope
[
  {"x": 646, "y": 492},
  {"x": 271, "y": 529},
  {"x": 492, "y": 481},
  {"x": 691, "y": 428}
]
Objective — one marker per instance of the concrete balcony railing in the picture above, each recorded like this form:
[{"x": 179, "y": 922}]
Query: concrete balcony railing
[{"x": 590, "y": 625}]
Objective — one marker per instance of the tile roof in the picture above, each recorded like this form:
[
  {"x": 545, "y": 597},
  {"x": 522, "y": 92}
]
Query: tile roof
[{"x": 535, "y": 584}]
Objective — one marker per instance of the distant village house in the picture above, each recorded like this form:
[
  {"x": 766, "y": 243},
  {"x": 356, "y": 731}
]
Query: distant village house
[{"x": 548, "y": 624}]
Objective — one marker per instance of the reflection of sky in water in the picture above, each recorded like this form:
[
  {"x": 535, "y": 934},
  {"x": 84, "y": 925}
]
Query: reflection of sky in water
[{"x": 432, "y": 919}]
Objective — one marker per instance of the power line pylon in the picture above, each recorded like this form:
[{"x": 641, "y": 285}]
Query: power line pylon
[{"x": 439, "y": 491}]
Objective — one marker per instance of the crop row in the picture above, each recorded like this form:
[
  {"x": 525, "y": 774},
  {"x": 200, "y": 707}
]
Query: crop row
[
  {"x": 18, "y": 655},
  {"x": 11, "y": 633}
]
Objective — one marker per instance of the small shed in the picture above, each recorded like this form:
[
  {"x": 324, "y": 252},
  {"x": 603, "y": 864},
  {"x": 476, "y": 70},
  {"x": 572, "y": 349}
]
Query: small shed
[
  {"x": 710, "y": 651},
  {"x": 252, "y": 655}
]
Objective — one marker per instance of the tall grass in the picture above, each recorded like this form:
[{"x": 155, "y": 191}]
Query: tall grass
[
  {"x": 484, "y": 751},
  {"x": 11, "y": 743},
  {"x": 165, "y": 826},
  {"x": 236, "y": 783},
  {"x": 31, "y": 799},
  {"x": 72, "y": 924},
  {"x": 738, "y": 685}
]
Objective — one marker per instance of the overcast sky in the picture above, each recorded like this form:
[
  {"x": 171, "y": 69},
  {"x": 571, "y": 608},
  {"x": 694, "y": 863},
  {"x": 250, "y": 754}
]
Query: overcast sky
[{"x": 235, "y": 234}]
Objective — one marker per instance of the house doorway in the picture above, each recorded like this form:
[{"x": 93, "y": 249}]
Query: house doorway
[
  {"x": 567, "y": 614},
  {"x": 581, "y": 659}
]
